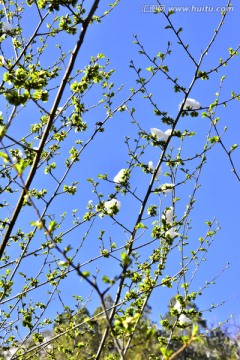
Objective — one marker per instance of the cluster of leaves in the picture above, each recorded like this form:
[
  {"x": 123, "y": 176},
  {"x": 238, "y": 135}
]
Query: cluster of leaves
[
  {"x": 77, "y": 334},
  {"x": 28, "y": 79}
]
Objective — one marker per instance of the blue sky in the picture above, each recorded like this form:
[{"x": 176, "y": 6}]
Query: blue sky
[{"x": 219, "y": 195}]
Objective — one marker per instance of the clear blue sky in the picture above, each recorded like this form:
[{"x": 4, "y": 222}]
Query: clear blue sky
[{"x": 219, "y": 195}]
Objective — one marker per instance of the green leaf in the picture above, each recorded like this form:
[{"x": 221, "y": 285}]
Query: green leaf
[
  {"x": 150, "y": 68},
  {"x": 15, "y": 99},
  {"x": 140, "y": 226},
  {"x": 106, "y": 279},
  {"x": 233, "y": 147},
  {"x": 103, "y": 176},
  {"x": 52, "y": 226},
  {"x": 86, "y": 273},
  {"x": 203, "y": 75},
  {"x": 205, "y": 115},
  {"x": 179, "y": 30},
  {"x": 213, "y": 139},
  {"x": 125, "y": 259},
  {"x": 4, "y": 157},
  {"x": 164, "y": 68},
  {"x": 166, "y": 353},
  {"x": 21, "y": 166},
  {"x": 232, "y": 52},
  {"x": 39, "y": 224},
  {"x": 3, "y": 131},
  {"x": 105, "y": 253}
]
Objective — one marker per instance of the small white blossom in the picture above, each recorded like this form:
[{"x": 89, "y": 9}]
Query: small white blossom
[
  {"x": 167, "y": 188},
  {"x": 171, "y": 232},
  {"x": 168, "y": 215},
  {"x": 62, "y": 263},
  {"x": 152, "y": 210},
  {"x": 39, "y": 224},
  {"x": 119, "y": 178},
  {"x": 15, "y": 159},
  {"x": 151, "y": 168},
  {"x": 90, "y": 205},
  {"x": 178, "y": 307},
  {"x": 26, "y": 197},
  {"x": 111, "y": 205},
  {"x": 183, "y": 319},
  {"x": 2, "y": 61},
  {"x": 6, "y": 27},
  {"x": 51, "y": 245},
  {"x": 167, "y": 133},
  {"x": 190, "y": 104},
  {"x": 59, "y": 111},
  {"x": 161, "y": 135}
]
